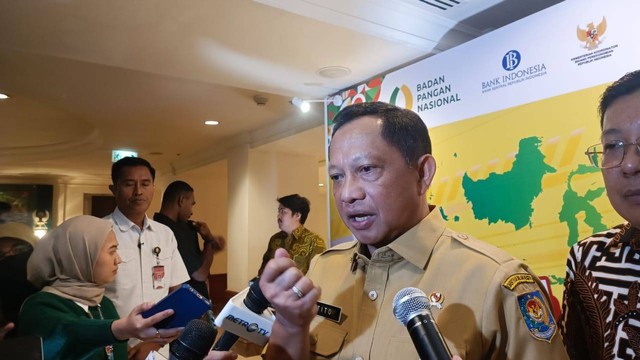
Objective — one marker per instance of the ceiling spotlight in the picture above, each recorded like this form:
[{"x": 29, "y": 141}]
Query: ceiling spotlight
[
  {"x": 3, "y": 96},
  {"x": 333, "y": 72},
  {"x": 302, "y": 104},
  {"x": 211, "y": 122}
]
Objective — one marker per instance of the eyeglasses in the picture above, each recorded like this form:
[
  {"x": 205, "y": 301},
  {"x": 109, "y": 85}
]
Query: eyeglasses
[{"x": 610, "y": 154}]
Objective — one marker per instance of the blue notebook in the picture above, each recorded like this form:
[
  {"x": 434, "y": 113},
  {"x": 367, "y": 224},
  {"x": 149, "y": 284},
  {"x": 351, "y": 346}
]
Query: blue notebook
[{"x": 187, "y": 304}]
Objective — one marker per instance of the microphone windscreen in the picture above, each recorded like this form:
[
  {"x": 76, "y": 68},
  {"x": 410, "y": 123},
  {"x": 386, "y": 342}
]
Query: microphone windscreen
[
  {"x": 195, "y": 341},
  {"x": 408, "y": 302},
  {"x": 255, "y": 300}
]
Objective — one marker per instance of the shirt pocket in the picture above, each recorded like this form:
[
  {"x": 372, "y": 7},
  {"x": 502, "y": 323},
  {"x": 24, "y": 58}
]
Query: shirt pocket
[
  {"x": 166, "y": 260},
  {"x": 128, "y": 270},
  {"x": 401, "y": 347},
  {"x": 327, "y": 340}
]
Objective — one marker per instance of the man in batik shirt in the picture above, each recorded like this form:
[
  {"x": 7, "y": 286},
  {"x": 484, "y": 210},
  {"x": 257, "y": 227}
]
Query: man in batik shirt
[
  {"x": 301, "y": 244},
  {"x": 600, "y": 317}
]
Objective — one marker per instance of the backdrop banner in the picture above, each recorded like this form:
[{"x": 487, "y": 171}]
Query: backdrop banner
[{"x": 510, "y": 115}]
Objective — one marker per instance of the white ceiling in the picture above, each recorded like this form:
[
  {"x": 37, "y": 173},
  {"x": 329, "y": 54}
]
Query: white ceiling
[{"x": 88, "y": 76}]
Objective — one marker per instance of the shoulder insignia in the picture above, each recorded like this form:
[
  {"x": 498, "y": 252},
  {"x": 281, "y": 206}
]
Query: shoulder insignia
[
  {"x": 536, "y": 315},
  {"x": 517, "y": 279}
]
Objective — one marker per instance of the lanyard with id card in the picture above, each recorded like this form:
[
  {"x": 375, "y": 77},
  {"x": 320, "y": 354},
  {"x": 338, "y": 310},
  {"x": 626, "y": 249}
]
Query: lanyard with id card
[{"x": 157, "y": 271}]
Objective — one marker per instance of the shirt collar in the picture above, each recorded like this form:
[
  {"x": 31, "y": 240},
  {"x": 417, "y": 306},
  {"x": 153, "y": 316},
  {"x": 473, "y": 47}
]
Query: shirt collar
[
  {"x": 162, "y": 218},
  {"x": 124, "y": 224},
  {"x": 626, "y": 234},
  {"x": 297, "y": 232}
]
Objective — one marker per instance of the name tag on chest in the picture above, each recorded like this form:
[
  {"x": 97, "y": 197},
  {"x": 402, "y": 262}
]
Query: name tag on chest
[{"x": 330, "y": 312}]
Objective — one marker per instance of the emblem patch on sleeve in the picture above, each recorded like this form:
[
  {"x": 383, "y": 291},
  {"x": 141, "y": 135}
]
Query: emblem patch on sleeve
[
  {"x": 516, "y": 279},
  {"x": 537, "y": 316}
]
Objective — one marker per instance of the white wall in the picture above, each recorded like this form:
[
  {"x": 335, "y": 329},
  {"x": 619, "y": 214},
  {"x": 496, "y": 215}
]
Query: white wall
[{"x": 256, "y": 180}]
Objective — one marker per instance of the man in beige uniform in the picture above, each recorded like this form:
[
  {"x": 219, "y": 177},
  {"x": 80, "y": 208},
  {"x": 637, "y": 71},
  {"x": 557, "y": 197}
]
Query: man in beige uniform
[{"x": 487, "y": 304}]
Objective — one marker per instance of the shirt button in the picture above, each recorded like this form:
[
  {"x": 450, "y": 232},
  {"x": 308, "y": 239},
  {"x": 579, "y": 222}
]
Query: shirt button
[
  {"x": 373, "y": 295},
  {"x": 359, "y": 358}
]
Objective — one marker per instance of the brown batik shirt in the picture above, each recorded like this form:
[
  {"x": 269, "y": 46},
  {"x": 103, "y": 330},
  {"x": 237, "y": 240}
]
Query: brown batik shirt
[{"x": 600, "y": 314}]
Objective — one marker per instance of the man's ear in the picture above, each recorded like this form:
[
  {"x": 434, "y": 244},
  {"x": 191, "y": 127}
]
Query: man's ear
[
  {"x": 297, "y": 216},
  {"x": 426, "y": 171},
  {"x": 181, "y": 200},
  {"x": 112, "y": 188}
]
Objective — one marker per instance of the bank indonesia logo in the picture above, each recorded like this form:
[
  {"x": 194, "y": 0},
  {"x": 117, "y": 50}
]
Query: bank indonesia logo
[{"x": 511, "y": 60}]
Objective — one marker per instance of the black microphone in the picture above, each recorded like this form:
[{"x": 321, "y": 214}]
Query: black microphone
[
  {"x": 411, "y": 306},
  {"x": 255, "y": 302},
  {"x": 194, "y": 342}
]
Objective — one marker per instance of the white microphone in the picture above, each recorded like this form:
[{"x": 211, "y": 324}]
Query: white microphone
[
  {"x": 411, "y": 306},
  {"x": 246, "y": 315}
]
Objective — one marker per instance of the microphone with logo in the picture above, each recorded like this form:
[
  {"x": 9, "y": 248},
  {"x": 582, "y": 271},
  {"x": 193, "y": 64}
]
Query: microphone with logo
[
  {"x": 246, "y": 316},
  {"x": 195, "y": 341},
  {"x": 411, "y": 307}
]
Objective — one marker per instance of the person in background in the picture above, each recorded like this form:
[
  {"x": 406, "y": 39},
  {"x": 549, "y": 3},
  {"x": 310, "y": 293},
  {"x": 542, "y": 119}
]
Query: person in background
[
  {"x": 16, "y": 245},
  {"x": 5, "y": 207},
  {"x": 177, "y": 207},
  {"x": 301, "y": 244},
  {"x": 487, "y": 304},
  {"x": 600, "y": 316},
  {"x": 71, "y": 313},
  {"x": 151, "y": 264}
]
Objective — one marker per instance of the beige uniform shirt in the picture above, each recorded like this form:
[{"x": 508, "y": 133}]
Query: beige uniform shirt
[{"x": 483, "y": 305}]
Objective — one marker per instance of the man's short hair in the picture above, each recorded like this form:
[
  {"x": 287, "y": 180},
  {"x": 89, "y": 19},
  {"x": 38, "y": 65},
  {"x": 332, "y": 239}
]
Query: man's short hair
[
  {"x": 129, "y": 161},
  {"x": 401, "y": 128},
  {"x": 174, "y": 190},
  {"x": 626, "y": 85},
  {"x": 297, "y": 204}
]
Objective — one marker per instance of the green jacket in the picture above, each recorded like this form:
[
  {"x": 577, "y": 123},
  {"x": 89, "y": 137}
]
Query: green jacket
[{"x": 67, "y": 331}]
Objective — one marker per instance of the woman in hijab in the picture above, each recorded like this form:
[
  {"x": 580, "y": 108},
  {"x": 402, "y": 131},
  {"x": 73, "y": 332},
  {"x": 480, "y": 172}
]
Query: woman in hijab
[{"x": 75, "y": 320}]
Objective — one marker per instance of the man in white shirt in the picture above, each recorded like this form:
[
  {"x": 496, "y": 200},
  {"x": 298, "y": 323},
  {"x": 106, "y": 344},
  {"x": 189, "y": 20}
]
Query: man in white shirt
[{"x": 151, "y": 264}]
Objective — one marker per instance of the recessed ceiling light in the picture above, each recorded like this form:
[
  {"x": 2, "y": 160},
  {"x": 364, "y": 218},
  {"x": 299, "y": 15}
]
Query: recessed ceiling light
[
  {"x": 211, "y": 122},
  {"x": 3, "y": 96},
  {"x": 333, "y": 72}
]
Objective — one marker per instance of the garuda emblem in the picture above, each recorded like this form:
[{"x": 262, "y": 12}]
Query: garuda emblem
[{"x": 592, "y": 34}]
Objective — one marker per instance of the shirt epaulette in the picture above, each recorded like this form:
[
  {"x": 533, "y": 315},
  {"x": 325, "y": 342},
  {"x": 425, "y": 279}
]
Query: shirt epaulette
[
  {"x": 496, "y": 254},
  {"x": 341, "y": 247}
]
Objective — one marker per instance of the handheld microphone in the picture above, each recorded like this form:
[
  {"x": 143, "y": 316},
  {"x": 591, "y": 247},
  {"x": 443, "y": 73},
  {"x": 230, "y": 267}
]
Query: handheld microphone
[
  {"x": 411, "y": 307},
  {"x": 246, "y": 316},
  {"x": 194, "y": 342}
]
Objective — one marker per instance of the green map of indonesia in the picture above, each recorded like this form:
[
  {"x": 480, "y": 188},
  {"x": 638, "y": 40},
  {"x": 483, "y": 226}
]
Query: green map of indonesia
[
  {"x": 509, "y": 196},
  {"x": 573, "y": 204}
]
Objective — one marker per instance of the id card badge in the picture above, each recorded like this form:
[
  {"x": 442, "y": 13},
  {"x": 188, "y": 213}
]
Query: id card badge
[{"x": 158, "y": 276}]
